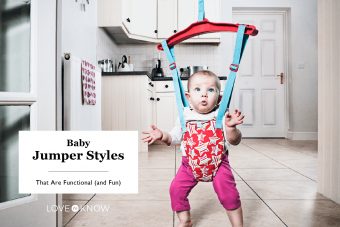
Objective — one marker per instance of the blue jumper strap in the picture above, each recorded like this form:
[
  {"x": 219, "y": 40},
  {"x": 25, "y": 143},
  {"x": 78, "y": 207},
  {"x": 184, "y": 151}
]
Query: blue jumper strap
[
  {"x": 241, "y": 41},
  {"x": 179, "y": 89},
  {"x": 201, "y": 12}
]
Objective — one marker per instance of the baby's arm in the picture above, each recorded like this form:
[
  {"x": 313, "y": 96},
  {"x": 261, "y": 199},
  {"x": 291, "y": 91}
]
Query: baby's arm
[
  {"x": 169, "y": 138},
  {"x": 233, "y": 135}
]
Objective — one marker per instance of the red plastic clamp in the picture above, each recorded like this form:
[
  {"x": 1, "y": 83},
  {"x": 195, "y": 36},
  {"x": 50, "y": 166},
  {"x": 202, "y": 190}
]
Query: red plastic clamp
[
  {"x": 235, "y": 70},
  {"x": 172, "y": 66}
]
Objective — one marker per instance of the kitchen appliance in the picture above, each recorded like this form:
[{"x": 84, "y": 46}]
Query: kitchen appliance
[
  {"x": 106, "y": 65},
  {"x": 157, "y": 71},
  {"x": 193, "y": 69},
  {"x": 123, "y": 66}
]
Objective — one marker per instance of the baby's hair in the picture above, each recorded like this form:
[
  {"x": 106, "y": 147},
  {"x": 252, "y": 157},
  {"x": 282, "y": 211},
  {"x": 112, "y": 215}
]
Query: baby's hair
[{"x": 207, "y": 73}]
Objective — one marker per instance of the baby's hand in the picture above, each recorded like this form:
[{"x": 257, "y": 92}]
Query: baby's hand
[
  {"x": 154, "y": 135},
  {"x": 233, "y": 119}
]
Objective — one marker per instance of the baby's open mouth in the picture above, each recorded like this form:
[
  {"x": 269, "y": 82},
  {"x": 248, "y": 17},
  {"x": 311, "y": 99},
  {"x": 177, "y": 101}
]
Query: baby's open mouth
[{"x": 204, "y": 103}]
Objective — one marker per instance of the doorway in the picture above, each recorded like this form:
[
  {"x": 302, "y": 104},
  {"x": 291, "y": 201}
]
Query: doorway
[{"x": 261, "y": 86}]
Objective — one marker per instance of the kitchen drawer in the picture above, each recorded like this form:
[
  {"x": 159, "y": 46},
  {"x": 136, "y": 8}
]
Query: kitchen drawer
[{"x": 168, "y": 86}]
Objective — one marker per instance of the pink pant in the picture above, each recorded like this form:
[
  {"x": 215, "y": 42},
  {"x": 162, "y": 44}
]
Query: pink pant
[{"x": 223, "y": 183}]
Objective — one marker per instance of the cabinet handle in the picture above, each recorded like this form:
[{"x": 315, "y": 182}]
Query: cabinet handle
[
  {"x": 175, "y": 31},
  {"x": 158, "y": 99},
  {"x": 128, "y": 20},
  {"x": 166, "y": 86},
  {"x": 155, "y": 31},
  {"x": 151, "y": 84},
  {"x": 152, "y": 99}
]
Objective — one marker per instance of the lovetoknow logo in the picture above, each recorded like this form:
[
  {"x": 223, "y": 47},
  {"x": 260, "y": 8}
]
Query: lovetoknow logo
[{"x": 76, "y": 208}]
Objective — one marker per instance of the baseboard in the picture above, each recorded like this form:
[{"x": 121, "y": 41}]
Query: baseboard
[{"x": 302, "y": 135}]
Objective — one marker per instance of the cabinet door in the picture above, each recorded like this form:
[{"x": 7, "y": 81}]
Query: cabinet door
[
  {"x": 143, "y": 18},
  {"x": 166, "y": 111},
  {"x": 212, "y": 13},
  {"x": 126, "y": 18},
  {"x": 167, "y": 18},
  {"x": 187, "y": 13}
]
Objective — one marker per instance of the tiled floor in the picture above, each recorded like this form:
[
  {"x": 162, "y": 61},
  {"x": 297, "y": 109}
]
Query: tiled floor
[{"x": 276, "y": 179}]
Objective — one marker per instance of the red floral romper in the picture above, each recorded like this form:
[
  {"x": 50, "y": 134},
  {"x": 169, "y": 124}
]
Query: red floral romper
[{"x": 203, "y": 145}]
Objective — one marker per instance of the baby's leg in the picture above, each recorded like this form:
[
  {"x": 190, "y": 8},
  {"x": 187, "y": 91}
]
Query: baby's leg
[
  {"x": 235, "y": 217},
  {"x": 180, "y": 188},
  {"x": 184, "y": 218},
  {"x": 225, "y": 188}
]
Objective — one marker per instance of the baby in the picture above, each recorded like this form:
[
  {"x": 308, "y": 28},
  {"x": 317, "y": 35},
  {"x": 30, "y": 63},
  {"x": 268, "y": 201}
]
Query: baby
[{"x": 203, "y": 95}]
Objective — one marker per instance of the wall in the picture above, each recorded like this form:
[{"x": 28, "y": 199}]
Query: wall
[
  {"x": 78, "y": 36},
  {"x": 107, "y": 48},
  {"x": 303, "y": 48},
  {"x": 79, "y": 29},
  {"x": 142, "y": 54},
  {"x": 328, "y": 94},
  {"x": 186, "y": 54}
]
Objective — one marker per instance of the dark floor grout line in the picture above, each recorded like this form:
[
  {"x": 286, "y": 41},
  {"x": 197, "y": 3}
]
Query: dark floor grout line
[
  {"x": 79, "y": 210},
  {"x": 281, "y": 164},
  {"x": 261, "y": 198}
]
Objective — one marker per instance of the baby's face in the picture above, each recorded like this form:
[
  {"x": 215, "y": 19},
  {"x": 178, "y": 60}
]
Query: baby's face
[{"x": 203, "y": 93}]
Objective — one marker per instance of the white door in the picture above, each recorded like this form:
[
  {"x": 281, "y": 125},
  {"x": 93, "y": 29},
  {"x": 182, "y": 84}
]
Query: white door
[
  {"x": 27, "y": 102},
  {"x": 258, "y": 92},
  {"x": 143, "y": 18}
]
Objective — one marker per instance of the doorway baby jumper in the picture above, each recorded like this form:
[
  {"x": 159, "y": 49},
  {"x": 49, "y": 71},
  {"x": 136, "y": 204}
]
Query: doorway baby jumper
[{"x": 204, "y": 142}]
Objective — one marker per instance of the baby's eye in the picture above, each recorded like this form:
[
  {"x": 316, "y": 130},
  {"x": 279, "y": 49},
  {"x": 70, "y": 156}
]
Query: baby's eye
[
  {"x": 197, "y": 89},
  {"x": 211, "y": 90}
]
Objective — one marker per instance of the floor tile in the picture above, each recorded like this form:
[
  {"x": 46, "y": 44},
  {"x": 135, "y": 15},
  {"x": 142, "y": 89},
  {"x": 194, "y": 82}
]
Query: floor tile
[
  {"x": 207, "y": 189},
  {"x": 127, "y": 214},
  {"x": 300, "y": 163},
  {"x": 68, "y": 213},
  {"x": 284, "y": 154},
  {"x": 147, "y": 191},
  {"x": 286, "y": 189},
  {"x": 79, "y": 197},
  {"x": 156, "y": 174},
  {"x": 156, "y": 163},
  {"x": 211, "y": 213},
  {"x": 307, "y": 213},
  {"x": 269, "y": 175},
  {"x": 265, "y": 163},
  {"x": 312, "y": 173}
]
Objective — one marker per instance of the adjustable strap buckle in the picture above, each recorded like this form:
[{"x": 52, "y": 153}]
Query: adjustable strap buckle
[
  {"x": 233, "y": 67},
  {"x": 172, "y": 66}
]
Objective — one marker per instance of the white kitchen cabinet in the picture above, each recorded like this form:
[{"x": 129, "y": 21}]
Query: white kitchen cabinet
[
  {"x": 135, "y": 20},
  {"x": 212, "y": 13},
  {"x": 187, "y": 14},
  {"x": 167, "y": 18},
  {"x": 143, "y": 18},
  {"x": 139, "y": 18},
  {"x": 126, "y": 105},
  {"x": 166, "y": 111}
]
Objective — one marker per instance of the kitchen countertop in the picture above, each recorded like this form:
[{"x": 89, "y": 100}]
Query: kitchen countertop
[{"x": 148, "y": 74}]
